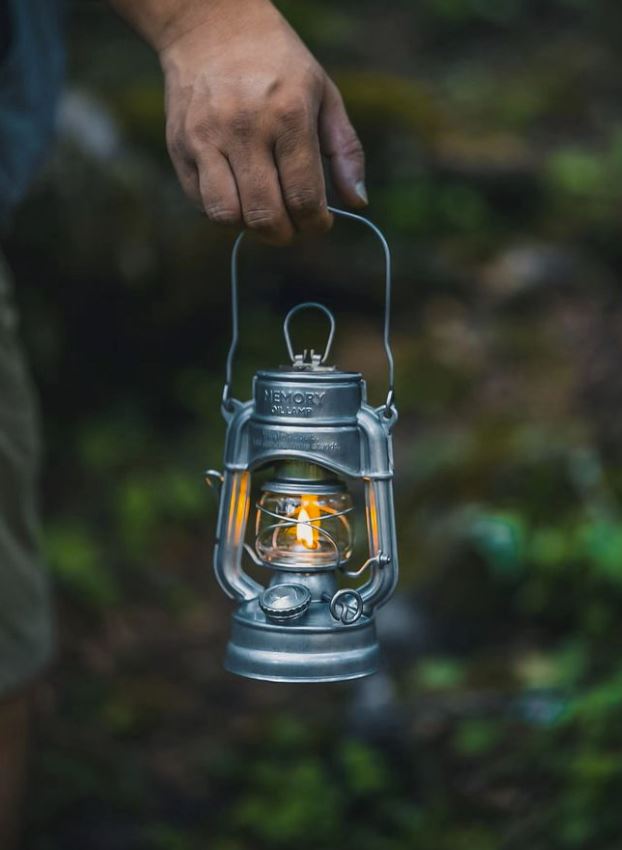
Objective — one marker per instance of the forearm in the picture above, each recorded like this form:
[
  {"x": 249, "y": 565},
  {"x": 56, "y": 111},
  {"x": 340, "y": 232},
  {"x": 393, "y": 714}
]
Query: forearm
[{"x": 160, "y": 22}]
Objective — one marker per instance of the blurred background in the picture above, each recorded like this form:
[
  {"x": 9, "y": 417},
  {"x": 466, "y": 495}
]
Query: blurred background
[{"x": 493, "y": 130}]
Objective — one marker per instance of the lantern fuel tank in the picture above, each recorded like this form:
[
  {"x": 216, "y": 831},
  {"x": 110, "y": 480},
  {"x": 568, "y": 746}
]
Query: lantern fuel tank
[{"x": 309, "y": 432}]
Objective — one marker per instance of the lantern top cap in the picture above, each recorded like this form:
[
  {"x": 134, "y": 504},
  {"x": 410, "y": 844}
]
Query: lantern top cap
[
  {"x": 289, "y": 373},
  {"x": 308, "y": 398}
]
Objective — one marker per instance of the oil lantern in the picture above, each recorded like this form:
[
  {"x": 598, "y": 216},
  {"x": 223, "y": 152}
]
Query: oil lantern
[{"x": 308, "y": 432}]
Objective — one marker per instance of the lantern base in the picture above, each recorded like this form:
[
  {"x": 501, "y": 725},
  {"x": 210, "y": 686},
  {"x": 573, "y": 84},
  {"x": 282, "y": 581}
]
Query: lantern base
[{"x": 314, "y": 648}]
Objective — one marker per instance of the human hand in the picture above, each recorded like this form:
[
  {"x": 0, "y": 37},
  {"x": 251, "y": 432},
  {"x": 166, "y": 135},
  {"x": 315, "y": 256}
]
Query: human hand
[{"x": 249, "y": 113}]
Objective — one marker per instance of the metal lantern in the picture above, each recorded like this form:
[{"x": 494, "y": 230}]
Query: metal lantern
[{"x": 312, "y": 426}]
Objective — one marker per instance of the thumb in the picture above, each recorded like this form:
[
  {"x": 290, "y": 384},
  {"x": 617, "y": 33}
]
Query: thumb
[{"x": 339, "y": 142}]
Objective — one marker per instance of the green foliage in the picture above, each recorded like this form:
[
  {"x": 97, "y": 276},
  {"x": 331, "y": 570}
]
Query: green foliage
[
  {"x": 476, "y": 737},
  {"x": 460, "y": 12},
  {"x": 297, "y": 788},
  {"x": 392, "y": 102},
  {"x": 440, "y": 673},
  {"x": 364, "y": 771},
  {"x": 279, "y": 813},
  {"x": 500, "y": 540},
  {"x": 163, "y": 837},
  {"x": 76, "y": 561}
]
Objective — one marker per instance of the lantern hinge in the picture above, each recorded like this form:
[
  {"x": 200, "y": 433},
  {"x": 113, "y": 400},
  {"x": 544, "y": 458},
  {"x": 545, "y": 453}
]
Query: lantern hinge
[
  {"x": 379, "y": 560},
  {"x": 307, "y": 360}
]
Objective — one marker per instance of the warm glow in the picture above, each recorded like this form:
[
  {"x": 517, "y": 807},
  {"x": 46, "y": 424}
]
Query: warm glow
[
  {"x": 306, "y": 523},
  {"x": 372, "y": 519},
  {"x": 238, "y": 510}
]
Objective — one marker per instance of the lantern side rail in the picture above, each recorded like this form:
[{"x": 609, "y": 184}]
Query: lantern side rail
[
  {"x": 377, "y": 471},
  {"x": 230, "y": 545},
  {"x": 233, "y": 511}
]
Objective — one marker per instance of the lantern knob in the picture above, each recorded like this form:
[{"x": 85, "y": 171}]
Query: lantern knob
[
  {"x": 283, "y": 602},
  {"x": 347, "y": 606}
]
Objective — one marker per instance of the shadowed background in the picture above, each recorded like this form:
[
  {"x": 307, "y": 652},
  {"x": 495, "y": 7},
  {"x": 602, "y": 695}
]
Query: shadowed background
[{"x": 494, "y": 139}]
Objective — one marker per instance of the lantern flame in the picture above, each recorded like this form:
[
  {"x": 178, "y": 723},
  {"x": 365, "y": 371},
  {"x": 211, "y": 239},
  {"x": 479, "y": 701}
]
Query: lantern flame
[{"x": 306, "y": 530}]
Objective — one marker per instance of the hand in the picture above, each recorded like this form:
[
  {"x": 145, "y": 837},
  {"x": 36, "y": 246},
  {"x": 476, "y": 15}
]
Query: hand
[{"x": 249, "y": 111}]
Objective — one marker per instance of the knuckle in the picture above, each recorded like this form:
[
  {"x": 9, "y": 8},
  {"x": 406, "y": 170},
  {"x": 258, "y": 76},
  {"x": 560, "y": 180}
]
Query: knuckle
[
  {"x": 219, "y": 214},
  {"x": 242, "y": 124},
  {"x": 177, "y": 147},
  {"x": 261, "y": 218},
  {"x": 198, "y": 132},
  {"x": 303, "y": 201},
  {"x": 290, "y": 116},
  {"x": 312, "y": 79},
  {"x": 352, "y": 148}
]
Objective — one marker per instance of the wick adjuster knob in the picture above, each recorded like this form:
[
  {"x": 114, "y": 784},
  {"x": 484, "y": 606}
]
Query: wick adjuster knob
[
  {"x": 284, "y": 602},
  {"x": 347, "y": 606}
]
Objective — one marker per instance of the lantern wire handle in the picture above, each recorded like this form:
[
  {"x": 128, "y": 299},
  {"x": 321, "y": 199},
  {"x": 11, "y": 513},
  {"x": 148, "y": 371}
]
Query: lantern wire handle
[{"x": 390, "y": 400}]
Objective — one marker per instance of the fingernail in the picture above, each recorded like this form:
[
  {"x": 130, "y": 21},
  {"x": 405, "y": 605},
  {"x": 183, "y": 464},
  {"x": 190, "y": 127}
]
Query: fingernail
[{"x": 361, "y": 191}]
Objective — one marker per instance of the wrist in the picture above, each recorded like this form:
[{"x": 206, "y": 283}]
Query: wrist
[
  {"x": 162, "y": 22},
  {"x": 215, "y": 17}
]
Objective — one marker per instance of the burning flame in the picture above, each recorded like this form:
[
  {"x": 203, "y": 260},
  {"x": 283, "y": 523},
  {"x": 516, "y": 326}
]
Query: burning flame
[{"x": 306, "y": 529}]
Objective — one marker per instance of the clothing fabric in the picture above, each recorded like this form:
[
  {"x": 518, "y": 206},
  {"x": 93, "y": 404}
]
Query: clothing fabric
[
  {"x": 31, "y": 75},
  {"x": 26, "y": 631}
]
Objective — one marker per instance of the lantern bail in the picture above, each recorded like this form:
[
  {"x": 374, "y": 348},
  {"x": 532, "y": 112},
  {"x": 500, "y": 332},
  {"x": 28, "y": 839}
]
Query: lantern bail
[
  {"x": 229, "y": 404},
  {"x": 308, "y": 359}
]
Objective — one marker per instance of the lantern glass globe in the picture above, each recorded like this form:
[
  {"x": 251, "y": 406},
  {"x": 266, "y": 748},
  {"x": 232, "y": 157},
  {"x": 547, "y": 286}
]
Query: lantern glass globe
[{"x": 304, "y": 530}]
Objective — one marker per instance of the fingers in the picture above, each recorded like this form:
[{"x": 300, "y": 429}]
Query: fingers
[
  {"x": 219, "y": 193},
  {"x": 299, "y": 162},
  {"x": 263, "y": 169},
  {"x": 187, "y": 175},
  {"x": 339, "y": 142},
  {"x": 261, "y": 199}
]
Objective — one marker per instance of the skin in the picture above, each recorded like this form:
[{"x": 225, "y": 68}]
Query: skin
[{"x": 249, "y": 115}]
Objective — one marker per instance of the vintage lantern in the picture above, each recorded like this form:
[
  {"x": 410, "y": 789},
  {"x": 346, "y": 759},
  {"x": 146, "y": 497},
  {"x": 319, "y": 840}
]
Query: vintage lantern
[{"x": 312, "y": 426}]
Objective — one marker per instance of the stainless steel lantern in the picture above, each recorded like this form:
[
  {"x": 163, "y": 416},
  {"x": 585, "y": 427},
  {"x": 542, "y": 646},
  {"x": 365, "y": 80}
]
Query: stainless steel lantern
[{"x": 313, "y": 428}]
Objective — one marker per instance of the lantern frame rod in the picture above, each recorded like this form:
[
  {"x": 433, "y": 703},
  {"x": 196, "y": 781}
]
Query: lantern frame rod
[{"x": 227, "y": 401}]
